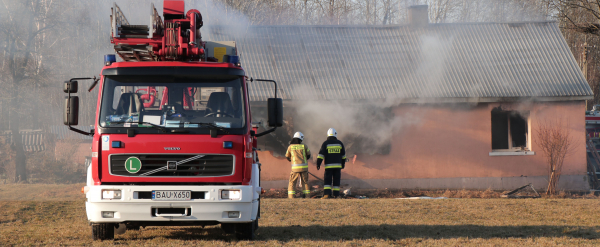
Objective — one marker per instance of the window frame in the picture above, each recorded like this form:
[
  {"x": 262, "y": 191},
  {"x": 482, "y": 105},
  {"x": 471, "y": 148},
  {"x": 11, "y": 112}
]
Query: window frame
[
  {"x": 201, "y": 130},
  {"x": 511, "y": 150}
]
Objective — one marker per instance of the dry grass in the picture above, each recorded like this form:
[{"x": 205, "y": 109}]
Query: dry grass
[
  {"x": 310, "y": 222},
  {"x": 395, "y": 193},
  {"x": 41, "y": 192}
]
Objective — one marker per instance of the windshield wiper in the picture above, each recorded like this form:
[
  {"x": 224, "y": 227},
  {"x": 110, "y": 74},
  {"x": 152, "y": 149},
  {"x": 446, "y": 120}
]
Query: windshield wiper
[
  {"x": 161, "y": 128},
  {"x": 212, "y": 126}
]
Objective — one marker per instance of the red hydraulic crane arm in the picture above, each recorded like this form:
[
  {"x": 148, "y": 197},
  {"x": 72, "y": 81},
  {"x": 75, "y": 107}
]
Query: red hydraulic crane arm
[{"x": 175, "y": 39}]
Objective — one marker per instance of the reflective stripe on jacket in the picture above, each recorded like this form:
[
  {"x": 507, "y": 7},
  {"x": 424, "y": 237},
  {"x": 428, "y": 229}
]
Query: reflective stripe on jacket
[
  {"x": 299, "y": 155},
  {"x": 332, "y": 153}
]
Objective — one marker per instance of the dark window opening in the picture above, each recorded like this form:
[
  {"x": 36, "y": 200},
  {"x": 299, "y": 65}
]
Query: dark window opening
[
  {"x": 518, "y": 131},
  {"x": 510, "y": 130}
]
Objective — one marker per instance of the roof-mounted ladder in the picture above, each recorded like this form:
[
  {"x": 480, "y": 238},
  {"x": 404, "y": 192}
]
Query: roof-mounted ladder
[
  {"x": 176, "y": 38},
  {"x": 122, "y": 29}
]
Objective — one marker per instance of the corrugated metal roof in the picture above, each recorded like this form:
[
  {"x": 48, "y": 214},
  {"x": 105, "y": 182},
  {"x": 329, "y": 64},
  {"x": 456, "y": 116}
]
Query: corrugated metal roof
[
  {"x": 480, "y": 61},
  {"x": 33, "y": 140}
]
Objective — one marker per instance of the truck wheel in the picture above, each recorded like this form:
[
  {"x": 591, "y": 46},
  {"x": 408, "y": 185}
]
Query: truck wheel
[
  {"x": 103, "y": 231},
  {"x": 228, "y": 227},
  {"x": 120, "y": 229},
  {"x": 246, "y": 231}
]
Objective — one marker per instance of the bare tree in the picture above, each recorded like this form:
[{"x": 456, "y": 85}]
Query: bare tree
[
  {"x": 41, "y": 47},
  {"x": 579, "y": 21},
  {"x": 23, "y": 26},
  {"x": 315, "y": 12},
  {"x": 556, "y": 143},
  {"x": 442, "y": 10},
  {"x": 581, "y": 15}
]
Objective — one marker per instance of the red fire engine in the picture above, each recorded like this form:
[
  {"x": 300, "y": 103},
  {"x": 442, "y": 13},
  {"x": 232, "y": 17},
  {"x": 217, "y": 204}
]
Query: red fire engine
[{"x": 173, "y": 143}]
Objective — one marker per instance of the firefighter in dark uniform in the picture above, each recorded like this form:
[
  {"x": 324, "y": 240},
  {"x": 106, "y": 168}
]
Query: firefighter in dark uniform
[{"x": 334, "y": 154}]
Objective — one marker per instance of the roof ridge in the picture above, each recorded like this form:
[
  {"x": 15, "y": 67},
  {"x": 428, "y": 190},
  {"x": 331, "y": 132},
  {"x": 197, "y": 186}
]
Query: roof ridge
[{"x": 407, "y": 25}]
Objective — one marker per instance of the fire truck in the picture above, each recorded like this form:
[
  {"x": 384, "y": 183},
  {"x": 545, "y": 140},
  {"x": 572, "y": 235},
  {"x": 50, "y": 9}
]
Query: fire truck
[
  {"x": 592, "y": 125},
  {"x": 173, "y": 142}
]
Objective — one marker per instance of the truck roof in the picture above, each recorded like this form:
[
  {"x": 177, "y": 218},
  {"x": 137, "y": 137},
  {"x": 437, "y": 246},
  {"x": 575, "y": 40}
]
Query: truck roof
[
  {"x": 173, "y": 64},
  {"x": 173, "y": 68}
]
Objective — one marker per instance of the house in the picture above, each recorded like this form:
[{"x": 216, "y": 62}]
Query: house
[{"x": 421, "y": 105}]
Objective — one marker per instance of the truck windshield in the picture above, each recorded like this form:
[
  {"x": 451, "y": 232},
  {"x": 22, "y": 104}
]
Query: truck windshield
[{"x": 185, "y": 103}]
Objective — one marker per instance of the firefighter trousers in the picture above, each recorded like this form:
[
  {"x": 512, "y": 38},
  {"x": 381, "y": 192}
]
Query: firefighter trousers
[
  {"x": 294, "y": 176},
  {"x": 332, "y": 181}
]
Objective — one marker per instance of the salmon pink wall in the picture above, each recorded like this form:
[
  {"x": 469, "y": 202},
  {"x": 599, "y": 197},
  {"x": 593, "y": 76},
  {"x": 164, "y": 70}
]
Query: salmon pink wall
[{"x": 455, "y": 141}]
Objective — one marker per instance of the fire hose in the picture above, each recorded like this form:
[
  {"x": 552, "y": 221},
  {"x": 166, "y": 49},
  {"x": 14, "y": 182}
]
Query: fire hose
[{"x": 316, "y": 177}]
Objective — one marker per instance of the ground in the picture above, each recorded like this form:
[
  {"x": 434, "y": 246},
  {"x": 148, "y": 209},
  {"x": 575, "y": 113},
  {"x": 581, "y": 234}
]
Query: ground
[{"x": 55, "y": 215}]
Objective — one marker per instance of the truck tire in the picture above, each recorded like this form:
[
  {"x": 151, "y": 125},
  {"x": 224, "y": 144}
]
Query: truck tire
[
  {"x": 246, "y": 231},
  {"x": 103, "y": 231},
  {"x": 120, "y": 229},
  {"x": 228, "y": 228}
]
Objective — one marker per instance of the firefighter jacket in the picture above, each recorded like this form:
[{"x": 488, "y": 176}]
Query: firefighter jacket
[
  {"x": 333, "y": 152},
  {"x": 298, "y": 154}
]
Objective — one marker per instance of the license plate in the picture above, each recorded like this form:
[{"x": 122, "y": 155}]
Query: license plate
[{"x": 171, "y": 195}]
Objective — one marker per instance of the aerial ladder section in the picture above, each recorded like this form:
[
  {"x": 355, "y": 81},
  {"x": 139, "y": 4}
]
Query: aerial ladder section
[{"x": 177, "y": 38}]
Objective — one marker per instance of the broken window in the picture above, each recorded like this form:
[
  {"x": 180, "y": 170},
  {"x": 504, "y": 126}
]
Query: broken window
[{"x": 510, "y": 130}]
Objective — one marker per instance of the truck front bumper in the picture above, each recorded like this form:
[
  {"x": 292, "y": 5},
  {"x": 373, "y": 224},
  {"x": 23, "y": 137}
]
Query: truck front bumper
[{"x": 130, "y": 208}]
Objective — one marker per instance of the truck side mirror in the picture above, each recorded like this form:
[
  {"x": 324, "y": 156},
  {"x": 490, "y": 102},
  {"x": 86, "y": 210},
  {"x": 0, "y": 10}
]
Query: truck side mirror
[
  {"x": 70, "y": 87},
  {"x": 275, "y": 112},
  {"x": 71, "y": 116}
]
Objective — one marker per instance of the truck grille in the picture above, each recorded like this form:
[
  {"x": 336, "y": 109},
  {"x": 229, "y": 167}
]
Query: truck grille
[{"x": 206, "y": 166}]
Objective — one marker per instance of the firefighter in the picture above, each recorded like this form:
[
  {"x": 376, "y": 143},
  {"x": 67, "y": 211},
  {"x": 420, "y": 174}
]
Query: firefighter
[
  {"x": 334, "y": 154},
  {"x": 298, "y": 154}
]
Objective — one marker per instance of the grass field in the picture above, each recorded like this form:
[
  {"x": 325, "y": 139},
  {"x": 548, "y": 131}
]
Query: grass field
[{"x": 42, "y": 218}]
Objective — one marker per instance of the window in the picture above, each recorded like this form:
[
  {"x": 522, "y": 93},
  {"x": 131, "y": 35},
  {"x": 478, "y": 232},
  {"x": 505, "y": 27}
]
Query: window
[
  {"x": 135, "y": 102},
  {"x": 510, "y": 130}
]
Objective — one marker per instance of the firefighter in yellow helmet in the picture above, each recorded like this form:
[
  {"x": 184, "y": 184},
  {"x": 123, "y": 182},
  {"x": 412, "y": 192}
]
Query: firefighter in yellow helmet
[
  {"x": 298, "y": 154},
  {"x": 334, "y": 154}
]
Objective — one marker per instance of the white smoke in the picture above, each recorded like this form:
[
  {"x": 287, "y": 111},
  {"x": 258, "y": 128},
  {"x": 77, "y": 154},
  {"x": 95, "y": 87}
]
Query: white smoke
[
  {"x": 364, "y": 128},
  {"x": 369, "y": 125}
]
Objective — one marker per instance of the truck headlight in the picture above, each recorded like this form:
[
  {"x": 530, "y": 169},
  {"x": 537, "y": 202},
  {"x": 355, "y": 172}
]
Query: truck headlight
[
  {"x": 111, "y": 194},
  {"x": 231, "y": 194}
]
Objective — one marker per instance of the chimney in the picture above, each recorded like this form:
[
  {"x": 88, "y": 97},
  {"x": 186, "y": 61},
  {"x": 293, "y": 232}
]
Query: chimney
[{"x": 418, "y": 16}]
